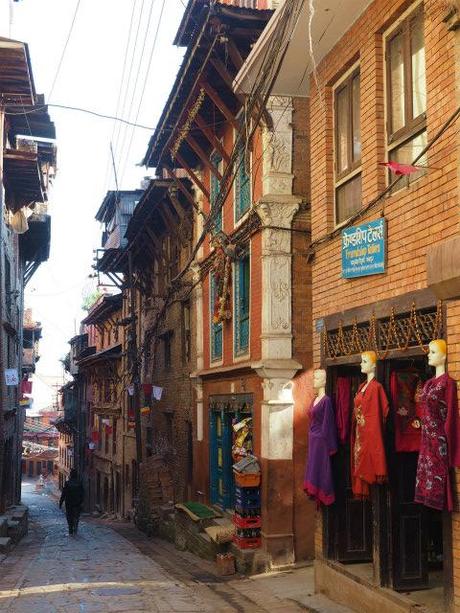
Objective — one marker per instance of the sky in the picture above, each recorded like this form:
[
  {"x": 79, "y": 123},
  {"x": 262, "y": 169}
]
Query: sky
[{"x": 89, "y": 77}]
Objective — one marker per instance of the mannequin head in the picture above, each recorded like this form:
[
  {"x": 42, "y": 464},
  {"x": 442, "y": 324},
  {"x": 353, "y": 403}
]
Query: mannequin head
[
  {"x": 437, "y": 353},
  {"x": 319, "y": 379},
  {"x": 368, "y": 362}
]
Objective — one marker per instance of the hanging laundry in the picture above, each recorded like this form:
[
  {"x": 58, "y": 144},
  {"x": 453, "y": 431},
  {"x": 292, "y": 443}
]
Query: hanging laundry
[
  {"x": 145, "y": 411},
  {"x": 26, "y": 386},
  {"x": 130, "y": 389},
  {"x": 401, "y": 169},
  {"x": 147, "y": 388}
]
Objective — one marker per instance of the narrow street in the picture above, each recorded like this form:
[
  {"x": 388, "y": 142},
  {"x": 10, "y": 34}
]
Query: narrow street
[{"x": 100, "y": 570}]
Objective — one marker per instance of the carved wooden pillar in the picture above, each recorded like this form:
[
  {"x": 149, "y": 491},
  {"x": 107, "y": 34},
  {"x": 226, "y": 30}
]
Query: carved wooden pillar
[{"x": 276, "y": 210}]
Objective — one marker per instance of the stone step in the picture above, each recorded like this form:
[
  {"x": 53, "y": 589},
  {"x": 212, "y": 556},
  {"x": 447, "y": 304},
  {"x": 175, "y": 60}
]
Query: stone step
[{"x": 5, "y": 544}]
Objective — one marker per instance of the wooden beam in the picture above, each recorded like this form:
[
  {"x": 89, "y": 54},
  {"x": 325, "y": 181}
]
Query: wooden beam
[
  {"x": 192, "y": 175},
  {"x": 156, "y": 241},
  {"x": 180, "y": 210},
  {"x": 183, "y": 189},
  {"x": 204, "y": 158},
  {"x": 169, "y": 221},
  {"x": 226, "y": 77},
  {"x": 223, "y": 108},
  {"x": 234, "y": 54},
  {"x": 215, "y": 142}
]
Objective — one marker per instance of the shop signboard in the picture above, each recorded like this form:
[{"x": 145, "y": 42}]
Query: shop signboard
[{"x": 364, "y": 249}]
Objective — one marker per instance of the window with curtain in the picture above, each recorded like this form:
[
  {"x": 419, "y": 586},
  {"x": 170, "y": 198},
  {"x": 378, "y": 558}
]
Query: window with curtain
[
  {"x": 406, "y": 93},
  {"x": 242, "y": 185},
  {"x": 216, "y": 328},
  {"x": 242, "y": 304},
  {"x": 347, "y": 147},
  {"x": 214, "y": 191}
]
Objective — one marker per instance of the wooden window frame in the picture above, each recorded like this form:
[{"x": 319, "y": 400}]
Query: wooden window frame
[
  {"x": 239, "y": 349},
  {"x": 214, "y": 358},
  {"x": 413, "y": 126},
  {"x": 354, "y": 168}
]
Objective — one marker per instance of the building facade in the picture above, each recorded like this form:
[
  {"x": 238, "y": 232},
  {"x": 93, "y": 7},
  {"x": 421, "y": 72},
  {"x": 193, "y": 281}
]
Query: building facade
[
  {"x": 245, "y": 159},
  {"x": 384, "y": 159}
]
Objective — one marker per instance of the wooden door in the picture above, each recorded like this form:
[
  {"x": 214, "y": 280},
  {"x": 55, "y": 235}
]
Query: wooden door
[
  {"x": 409, "y": 521},
  {"x": 352, "y": 519},
  {"x": 221, "y": 474}
]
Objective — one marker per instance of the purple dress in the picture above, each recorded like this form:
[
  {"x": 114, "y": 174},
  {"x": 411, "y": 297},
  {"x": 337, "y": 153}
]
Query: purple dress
[{"x": 322, "y": 443}]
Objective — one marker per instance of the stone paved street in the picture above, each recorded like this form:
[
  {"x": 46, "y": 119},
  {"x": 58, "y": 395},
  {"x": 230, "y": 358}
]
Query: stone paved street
[{"x": 102, "y": 571}]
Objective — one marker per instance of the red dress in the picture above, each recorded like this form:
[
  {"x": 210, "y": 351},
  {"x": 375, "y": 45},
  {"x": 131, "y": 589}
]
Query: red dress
[
  {"x": 368, "y": 461},
  {"x": 440, "y": 443},
  {"x": 406, "y": 391}
]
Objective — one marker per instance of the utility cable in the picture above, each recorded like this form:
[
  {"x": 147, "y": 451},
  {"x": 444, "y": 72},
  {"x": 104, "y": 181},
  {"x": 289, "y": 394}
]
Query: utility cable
[{"x": 61, "y": 60}]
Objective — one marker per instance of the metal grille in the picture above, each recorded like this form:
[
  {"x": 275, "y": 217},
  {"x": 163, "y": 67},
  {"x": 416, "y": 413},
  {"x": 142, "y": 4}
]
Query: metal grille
[{"x": 396, "y": 332}]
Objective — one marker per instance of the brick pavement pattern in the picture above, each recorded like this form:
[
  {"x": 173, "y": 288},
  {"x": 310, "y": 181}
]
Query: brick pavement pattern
[{"x": 101, "y": 571}]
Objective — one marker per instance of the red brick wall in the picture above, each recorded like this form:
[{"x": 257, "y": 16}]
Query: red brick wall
[{"x": 418, "y": 216}]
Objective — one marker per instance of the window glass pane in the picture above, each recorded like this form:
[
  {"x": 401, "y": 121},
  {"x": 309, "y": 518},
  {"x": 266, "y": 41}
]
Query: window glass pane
[
  {"x": 342, "y": 130},
  {"x": 216, "y": 160},
  {"x": 417, "y": 45},
  {"x": 348, "y": 199},
  {"x": 396, "y": 48},
  {"x": 406, "y": 154},
  {"x": 242, "y": 187},
  {"x": 216, "y": 328},
  {"x": 356, "y": 119},
  {"x": 242, "y": 305}
]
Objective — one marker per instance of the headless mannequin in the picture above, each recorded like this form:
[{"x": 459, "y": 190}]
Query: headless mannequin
[
  {"x": 319, "y": 384},
  {"x": 437, "y": 357}
]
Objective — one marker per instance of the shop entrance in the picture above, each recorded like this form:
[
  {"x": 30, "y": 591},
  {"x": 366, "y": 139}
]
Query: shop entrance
[
  {"x": 401, "y": 541},
  {"x": 224, "y": 412}
]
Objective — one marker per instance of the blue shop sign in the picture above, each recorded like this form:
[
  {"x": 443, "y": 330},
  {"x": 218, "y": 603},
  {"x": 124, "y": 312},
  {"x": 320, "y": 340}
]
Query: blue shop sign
[{"x": 364, "y": 249}]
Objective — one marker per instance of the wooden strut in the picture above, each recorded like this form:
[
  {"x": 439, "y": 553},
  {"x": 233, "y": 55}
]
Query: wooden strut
[
  {"x": 226, "y": 77},
  {"x": 192, "y": 175},
  {"x": 184, "y": 190},
  {"x": 203, "y": 157},
  {"x": 180, "y": 210},
  {"x": 215, "y": 142},
  {"x": 223, "y": 108}
]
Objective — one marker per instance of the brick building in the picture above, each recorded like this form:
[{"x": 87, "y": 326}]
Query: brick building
[
  {"x": 251, "y": 329},
  {"x": 384, "y": 91}
]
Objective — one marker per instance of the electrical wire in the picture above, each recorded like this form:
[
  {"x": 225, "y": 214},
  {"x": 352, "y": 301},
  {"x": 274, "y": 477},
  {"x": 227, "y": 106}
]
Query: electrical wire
[{"x": 61, "y": 60}]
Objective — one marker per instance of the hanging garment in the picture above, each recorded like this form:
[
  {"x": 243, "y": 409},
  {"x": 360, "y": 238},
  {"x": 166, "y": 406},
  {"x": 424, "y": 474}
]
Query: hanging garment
[
  {"x": 343, "y": 408},
  {"x": 368, "y": 461},
  {"x": 406, "y": 389},
  {"x": 439, "y": 445},
  {"x": 322, "y": 443}
]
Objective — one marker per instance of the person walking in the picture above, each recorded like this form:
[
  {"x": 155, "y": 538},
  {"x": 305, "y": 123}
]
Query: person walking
[{"x": 72, "y": 495}]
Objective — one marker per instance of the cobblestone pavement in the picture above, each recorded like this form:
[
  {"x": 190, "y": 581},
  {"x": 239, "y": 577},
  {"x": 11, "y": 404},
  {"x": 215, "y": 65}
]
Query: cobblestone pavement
[{"x": 100, "y": 570}]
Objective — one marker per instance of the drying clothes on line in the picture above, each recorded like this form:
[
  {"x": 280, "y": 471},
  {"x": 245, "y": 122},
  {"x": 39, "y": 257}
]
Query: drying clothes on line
[{"x": 439, "y": 445}]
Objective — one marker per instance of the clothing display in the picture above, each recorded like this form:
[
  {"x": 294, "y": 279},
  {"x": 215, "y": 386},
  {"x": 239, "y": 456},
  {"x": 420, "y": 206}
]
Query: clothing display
[
  {"x": 343, "y": 408},
  {"x": 368, "y": 461},
  {"x": 440, "y": 443},
  {"x": 406, "y": 389},
  {"x": 322, "y": 443}
]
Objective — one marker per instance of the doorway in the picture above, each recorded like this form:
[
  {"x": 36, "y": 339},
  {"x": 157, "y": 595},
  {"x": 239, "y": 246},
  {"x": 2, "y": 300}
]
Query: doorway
[
  {"x": 391, "y": 540},
  {"x": 224, "y": 412}
]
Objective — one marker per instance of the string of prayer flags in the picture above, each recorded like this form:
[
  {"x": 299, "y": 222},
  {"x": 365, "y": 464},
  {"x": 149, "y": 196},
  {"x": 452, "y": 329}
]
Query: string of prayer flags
[
  {"x": 147, "y": 387},
  {"x": 11, "y": 377},
  {"x": 130, "y": 389}
]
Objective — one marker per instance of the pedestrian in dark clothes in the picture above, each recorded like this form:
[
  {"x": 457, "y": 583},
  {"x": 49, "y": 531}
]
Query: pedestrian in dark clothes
[{"x": 72, "y": 495}]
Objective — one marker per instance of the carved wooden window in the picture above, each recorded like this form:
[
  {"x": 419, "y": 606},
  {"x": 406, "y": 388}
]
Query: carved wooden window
[
  {"x": 242, "y": 305},
  {"x": 216, "y": 160},
  {"x": 242, "y": 184},
  {"x": 216, "y": 329},
  {"x": 347, "y": 97},
  {"x": 406, "y": 93}
]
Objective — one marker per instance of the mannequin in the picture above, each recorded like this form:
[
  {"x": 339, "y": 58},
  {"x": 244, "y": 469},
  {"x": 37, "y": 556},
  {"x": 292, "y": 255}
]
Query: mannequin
[
  {"x": 440, "y": 438},
  {"x": 368, "y": 461},
  {"x": 322, "y": 444}
]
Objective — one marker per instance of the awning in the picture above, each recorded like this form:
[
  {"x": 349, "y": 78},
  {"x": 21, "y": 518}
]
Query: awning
[
  {"x": 330, "y": 20},
  {"x": 23, "y": 179},
  {"x": 16, "y": 80}
]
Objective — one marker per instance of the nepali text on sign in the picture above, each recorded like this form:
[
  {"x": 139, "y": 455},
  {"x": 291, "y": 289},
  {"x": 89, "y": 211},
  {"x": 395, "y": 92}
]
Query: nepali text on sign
[{"x": 363, "y": 249}]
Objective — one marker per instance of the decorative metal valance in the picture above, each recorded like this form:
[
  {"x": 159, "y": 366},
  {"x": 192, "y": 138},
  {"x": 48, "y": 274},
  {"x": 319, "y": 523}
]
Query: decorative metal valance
[{"x": 416, "y": 328}]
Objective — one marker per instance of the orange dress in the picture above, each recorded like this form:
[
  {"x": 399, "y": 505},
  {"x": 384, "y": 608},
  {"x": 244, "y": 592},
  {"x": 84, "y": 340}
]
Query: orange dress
[{"x": 368, "y": 461}]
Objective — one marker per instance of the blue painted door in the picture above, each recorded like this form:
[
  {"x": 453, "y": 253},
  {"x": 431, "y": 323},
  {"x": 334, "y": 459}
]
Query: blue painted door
[{"x": 221, "y": 473}]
